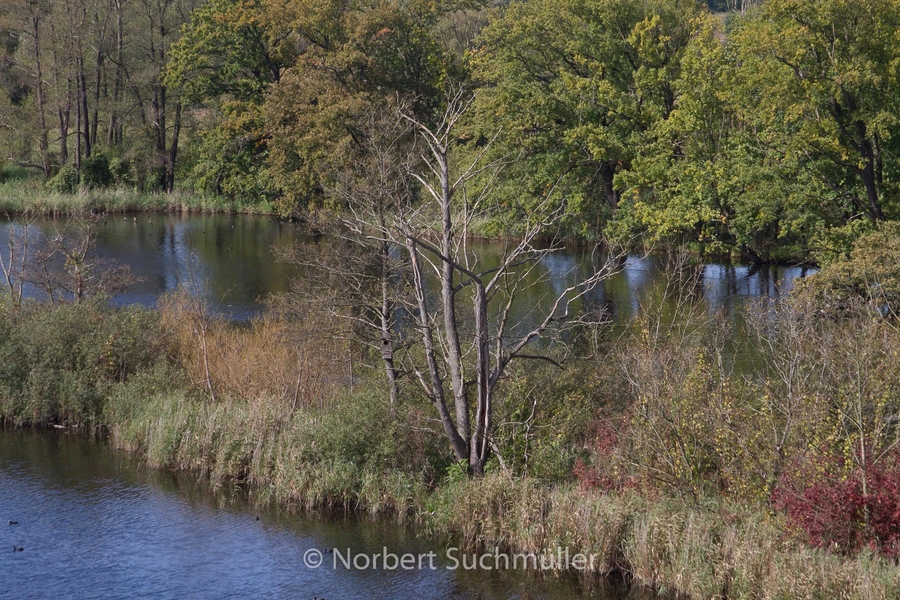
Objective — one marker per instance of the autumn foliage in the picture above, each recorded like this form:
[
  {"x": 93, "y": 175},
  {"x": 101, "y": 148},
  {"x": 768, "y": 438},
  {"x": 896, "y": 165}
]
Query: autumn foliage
[{"x": 841, "y": 511}]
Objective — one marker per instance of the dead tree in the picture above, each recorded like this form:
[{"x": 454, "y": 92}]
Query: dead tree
[{"x": 398, "y": 266}]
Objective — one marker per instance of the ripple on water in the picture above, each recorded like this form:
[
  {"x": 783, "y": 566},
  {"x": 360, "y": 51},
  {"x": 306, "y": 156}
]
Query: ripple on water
[{"x": 93, "y": 525}]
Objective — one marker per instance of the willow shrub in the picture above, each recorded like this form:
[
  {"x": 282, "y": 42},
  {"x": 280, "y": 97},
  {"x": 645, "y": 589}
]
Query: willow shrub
[{"x": 59, "y": 363}]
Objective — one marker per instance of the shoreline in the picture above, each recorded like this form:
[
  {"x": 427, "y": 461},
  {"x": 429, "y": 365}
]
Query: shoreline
[
  {"x": 18, "y": 200},
  {"x": 664, "y": 545},
  {"x": 24, "y": 202}
]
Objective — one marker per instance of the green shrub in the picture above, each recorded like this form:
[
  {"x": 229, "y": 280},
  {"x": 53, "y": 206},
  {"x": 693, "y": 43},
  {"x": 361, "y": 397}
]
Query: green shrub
[
  {"x": 870, "y": 276},
  {"x": 120, "y": 168},
  {"x": 365, "y": 430},
  {"x": 61, "y": 362},
  {"x": 65, "y": 181},
  {"x": 95, "y": 171}
]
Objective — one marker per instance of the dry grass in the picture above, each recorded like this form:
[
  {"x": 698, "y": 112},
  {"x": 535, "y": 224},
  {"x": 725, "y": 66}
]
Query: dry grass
[
  {"x": 267, "y": 358},
  {"x": 718, "y": 551}
]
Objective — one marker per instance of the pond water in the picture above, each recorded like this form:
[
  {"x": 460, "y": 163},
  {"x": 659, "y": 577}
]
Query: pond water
[
  {"x": 235, "y": 259},
  {"x": 94, "y": 524}
]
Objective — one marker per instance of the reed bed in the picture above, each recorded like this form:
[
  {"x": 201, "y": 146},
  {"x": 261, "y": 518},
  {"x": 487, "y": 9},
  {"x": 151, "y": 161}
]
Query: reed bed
[
  {"x": 144, "y": 378},
  {"x": 30, "y": 198}
]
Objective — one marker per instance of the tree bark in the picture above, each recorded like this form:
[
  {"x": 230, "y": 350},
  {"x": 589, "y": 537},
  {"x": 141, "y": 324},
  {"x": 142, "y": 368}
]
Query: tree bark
[
  {"x": 386, "y": 311},
  {"x": 436, "y": 386},
  {"x": 173, "y": 150},
  {"x": 43, "y": 144},
  {"x": 83, "y": 108},
  {"x": 448, "y": 302},
  {"x": 607, "y": 175},
  {"x": 114, "y": 135}
]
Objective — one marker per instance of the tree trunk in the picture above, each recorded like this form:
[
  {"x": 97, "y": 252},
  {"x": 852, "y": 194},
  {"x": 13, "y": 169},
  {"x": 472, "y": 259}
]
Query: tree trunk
[
  {"x": 173, "y": 150},
  {"x": 158, "y": 105},
  {"x": 78, "y": 140},
  {"x": 448, "y": 303},
  {"x": 85, "y": 114},
  {"x": 478, "y": 453},
  {"x": 868, "y": 173},
  {"x": 39, "y": 90},
  {"x": 114, "y": 135},
  {"x": 63, "y": 110},
  {"x": 98, "y": 68},
  {"x": 607, "y": 174},
  {"x": 386, "y": 311},
  {"x": 436, "y": 386}
]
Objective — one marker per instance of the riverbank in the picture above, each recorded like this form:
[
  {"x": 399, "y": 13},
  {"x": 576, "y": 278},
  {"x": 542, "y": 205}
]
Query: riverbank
[
  {"x": 268, "y": 405},
  {"x": 31, "y": 198},
  {"x": 714, "y": 549}
]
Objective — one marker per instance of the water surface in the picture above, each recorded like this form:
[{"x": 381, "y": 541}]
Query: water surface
[
  {"x": 94, "y": 524},
  {"x": 235, "y": 260}
]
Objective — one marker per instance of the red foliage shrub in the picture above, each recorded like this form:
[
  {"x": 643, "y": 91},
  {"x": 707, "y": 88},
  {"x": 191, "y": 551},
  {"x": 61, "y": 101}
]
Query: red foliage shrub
[
  {"x": 603, "y": 471},
  {"x": 833, "y": 510}
]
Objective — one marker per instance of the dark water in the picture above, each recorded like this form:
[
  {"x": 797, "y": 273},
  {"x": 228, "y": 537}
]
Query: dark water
[
  {"x": 93, "y": 524},
  {"x": 234, "y": 259}
]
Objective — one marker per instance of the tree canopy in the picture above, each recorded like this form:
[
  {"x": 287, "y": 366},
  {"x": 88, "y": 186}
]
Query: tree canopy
[{"x": 768, "y": 132}]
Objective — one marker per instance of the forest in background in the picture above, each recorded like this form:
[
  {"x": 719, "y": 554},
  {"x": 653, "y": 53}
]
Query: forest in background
[{"x": 767, "y": 132}]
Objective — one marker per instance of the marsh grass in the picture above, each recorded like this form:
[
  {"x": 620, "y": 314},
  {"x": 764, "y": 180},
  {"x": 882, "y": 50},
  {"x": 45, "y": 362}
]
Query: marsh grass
[
  {"x": 31, "y": 198},
  {"x": 714, "y": 551},
  {"x": 266, "y": 444},
  {"x": 354, "y": 452}
]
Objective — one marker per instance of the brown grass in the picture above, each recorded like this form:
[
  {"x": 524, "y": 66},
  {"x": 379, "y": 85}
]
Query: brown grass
[{"x": 265, "y": 358}]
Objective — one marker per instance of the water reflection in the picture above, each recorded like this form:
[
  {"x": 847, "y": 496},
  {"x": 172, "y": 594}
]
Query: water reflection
[{"x": 235, "y": 259}]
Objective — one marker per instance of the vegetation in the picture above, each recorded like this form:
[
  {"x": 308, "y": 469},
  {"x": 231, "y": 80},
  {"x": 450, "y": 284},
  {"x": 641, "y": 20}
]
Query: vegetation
[
  {"x": 768, "y": 134},
  {"x": 402, "y": 128},
  {"x": 23, "y": 195},
  {"x": 683, "y": 474}
]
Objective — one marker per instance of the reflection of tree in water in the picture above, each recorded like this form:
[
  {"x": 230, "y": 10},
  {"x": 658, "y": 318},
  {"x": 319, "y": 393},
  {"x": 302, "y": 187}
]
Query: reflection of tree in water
[
  {"x": 59, "y": 262},
  {"x": 237, "y": 256}
]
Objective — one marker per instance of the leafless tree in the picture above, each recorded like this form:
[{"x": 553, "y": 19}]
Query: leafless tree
[
  {"x": 15, "y": 262},
  {"x": 419, "y": 204},
  {"x": 64, "y": 265}
]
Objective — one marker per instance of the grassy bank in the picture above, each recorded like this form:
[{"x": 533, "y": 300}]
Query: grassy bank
[
  {"x": 30, "y": 197},
  {"x": 269, "y": 404},
  {"x": 716, "y": 550}
]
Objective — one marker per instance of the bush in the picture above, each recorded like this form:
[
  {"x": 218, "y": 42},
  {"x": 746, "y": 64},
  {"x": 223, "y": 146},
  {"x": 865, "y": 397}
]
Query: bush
[
  {"x": 870, "y": 275},
  {"x": 65, "y": 181},
  {"x": 120, "y": 168},
  {"x": 365, "y": 430},
  {"x": 60, "y": 363},
  {"x": 841, "y": 511},
  {"x": 544, "y": 415},
  {"x": 95, "y": 171}
]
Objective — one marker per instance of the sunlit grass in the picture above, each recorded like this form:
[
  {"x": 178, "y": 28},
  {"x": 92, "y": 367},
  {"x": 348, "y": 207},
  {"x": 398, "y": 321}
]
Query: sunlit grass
[{"x": 30, "y": 197}]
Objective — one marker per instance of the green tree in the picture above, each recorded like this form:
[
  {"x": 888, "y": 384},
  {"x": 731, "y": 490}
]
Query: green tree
[
  {"x": 231, "y": 53},
  {"x": 354, "y": 57},
  {"x": 577, "y": 86},
  {"x": 818, "y": 86},
  {"x": 701, "y": 176}
]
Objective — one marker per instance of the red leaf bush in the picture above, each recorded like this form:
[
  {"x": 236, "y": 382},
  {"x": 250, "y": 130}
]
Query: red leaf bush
[{"x": 840, "y": 511}]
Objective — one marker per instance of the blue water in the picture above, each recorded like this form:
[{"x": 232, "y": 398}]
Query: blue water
[{"x": 94, "y": 524}]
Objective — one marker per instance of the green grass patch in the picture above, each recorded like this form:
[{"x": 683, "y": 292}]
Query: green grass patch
[{"x": 24, "y": 196}]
